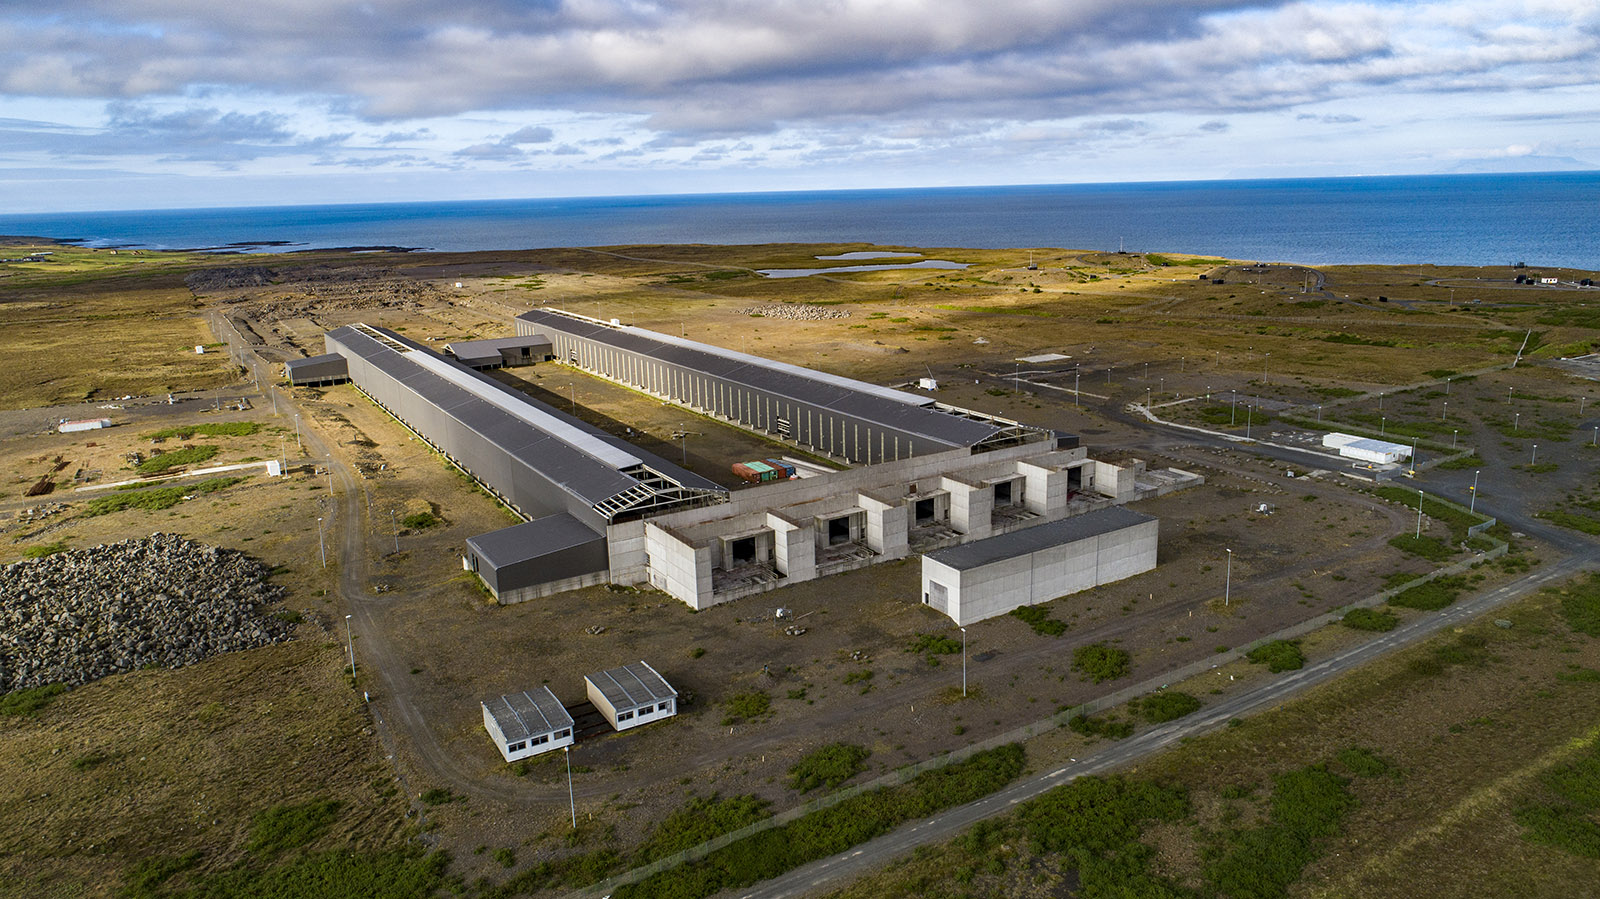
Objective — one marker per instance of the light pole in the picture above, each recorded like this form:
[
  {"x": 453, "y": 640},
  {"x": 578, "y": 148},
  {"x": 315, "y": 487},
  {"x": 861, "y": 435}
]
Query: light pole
[
  {"x": 1413, "y": 457},
  {"x": 1581, "y": 401},
  {"x": 1075, "y": 376},
  {"x": 1264, "y": 365},
  {"x": 1516, "y": 421},
  {"x": 350, "y": 642},
  {"x": 573, "y": 390},
  {"x": 283, "y": 457},
  {"x": 321, "y": 544},
  {"x": 1383, "y": 425},
  {"x": 1535, "y": 458},
  {"x": 330, "y": 475},
  {"x": 1319, "y": 413},
  {"x": 1419, "y": 514},
  {"x": 1227, "y": 584},
  {"x": 1249, "y": 416},
  {"x": 1016, "y": 378},
  {"x": 1380, "y": 401},
  {"x": 1473, "y": 505},
  {"x": 396, "y": 528},
  {"x": 1233, "y": 407},
  {"x": 1454, "y": 432},
  {"x": 297, "y": 447},
  {"x": 963, "y": 663},
  {"x": 1445, "y": 415},
  {"x": 572, "y": 800},
  {"x": 1446, "y": 386}
]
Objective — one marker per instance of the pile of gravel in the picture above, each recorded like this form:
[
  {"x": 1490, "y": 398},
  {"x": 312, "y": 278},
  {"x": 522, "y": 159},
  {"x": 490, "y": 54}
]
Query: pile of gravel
[
  {"x": 803, "y": 312},
  {"x": 161, "y": 600}
]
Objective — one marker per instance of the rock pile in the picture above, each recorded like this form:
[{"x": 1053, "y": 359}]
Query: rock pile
[
  {"x": 800, "y": 312},
  {"x": 161, "y": 600}
]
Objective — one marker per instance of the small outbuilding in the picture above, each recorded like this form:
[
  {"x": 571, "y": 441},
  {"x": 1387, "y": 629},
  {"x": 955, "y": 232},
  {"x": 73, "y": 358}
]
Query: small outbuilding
[
  {"x": 1366, "y": 449},
  {"x": 318, "y": 371},
  {"x": 1036, "y": 564},
  {"x": 85, "y": 424},
  {"x": 632, "y": 695},
  {"x": 527, "y": 723}
]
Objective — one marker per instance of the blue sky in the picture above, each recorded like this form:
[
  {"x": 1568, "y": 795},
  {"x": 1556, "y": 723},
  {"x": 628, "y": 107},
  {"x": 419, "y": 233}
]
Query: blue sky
[{"x": 108, "y": 104}]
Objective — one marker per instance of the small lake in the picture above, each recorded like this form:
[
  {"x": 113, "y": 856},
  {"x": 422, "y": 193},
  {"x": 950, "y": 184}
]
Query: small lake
[{"x": 803, "y": 272}]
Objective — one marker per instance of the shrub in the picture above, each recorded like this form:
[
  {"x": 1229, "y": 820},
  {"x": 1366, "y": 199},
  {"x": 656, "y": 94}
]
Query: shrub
[
  {"x": 506, "y": 856},
  {"x": 1431, "y": 596},
  {"x": 828, "y": 766},
  {"x": 438, "y": 796},
  {"x": 1581, "y": 608},
  {"x": 934, "y": 644},
  {"x": 419, "y": 520},
  {"x": 1101, "y": 662},
  {"x": 1264, "y": 861},
  {"x": 1107, "y": 726},
  {"x": 47, "y": 549},
  {"x": 220, "y": 429},
  {"x": 1168, "y": 705},
  {"x": 746, "y": 706},
  {"x": 1040, "y": 620},
  {"x": 1278, "y": 655},
  {"x": 1431, "y": 548},
  {"x": 1370, "y": 620},
  {"x": 1363, "y": 762}
]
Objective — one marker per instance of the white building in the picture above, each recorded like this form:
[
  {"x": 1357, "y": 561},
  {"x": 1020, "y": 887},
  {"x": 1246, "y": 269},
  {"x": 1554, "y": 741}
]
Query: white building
[
  {"x": 632, "y": 695},
  {"x": 85, "y": 424},
  {"x": 527, "y": 723},
  {"x": 991, "y": 577},
  {"x": 1366, "y": 449}
]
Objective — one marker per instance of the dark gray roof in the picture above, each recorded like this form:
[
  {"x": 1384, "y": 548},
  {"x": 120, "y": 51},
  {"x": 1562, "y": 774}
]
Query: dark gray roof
[
  {"x": 489, "y": 349},
  {"x": 528, "y": 714},
  {"x": 327, "y": 365},
  {"x": 580, "y": 458},
  {"x": 532, "y": 539},
  {"x": 632, "y": 686},
  {"x": 1033, "y": 539},
  {"x": 907, "y": 412}
]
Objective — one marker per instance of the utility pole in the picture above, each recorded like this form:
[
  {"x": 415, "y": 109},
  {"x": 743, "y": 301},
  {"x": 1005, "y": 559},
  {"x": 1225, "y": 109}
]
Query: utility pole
[
  {"x": 1473, "y": 505},
  {"x": 1227, "y": 585},
  {"x": 963, "y": 663},
  {"x": 1419, "y": 514}
]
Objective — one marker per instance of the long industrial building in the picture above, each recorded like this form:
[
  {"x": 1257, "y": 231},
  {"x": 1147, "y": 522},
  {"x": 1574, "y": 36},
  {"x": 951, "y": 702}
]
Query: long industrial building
[
  {"x": 927, "y": 475},
  {"x": 824, "y": 413}
]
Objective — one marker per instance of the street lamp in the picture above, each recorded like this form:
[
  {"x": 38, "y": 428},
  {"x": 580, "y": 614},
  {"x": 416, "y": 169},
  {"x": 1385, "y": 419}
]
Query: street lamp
[
  {"x": 572, "y": 800},
  {"x": 1445, "y": 415},
  {"x": 1419, "y": 514},
  {"x": 1535, "y": 458},
  {"x": 396, "y": 528},
  {"x": 1075, "y": 376},
  {"x": 349, "y": 642},
  {"x": 1383, "y": 425},
  {"x": 298, "y": 448},
  {"x": 1516, "y": 421},
  {"x": 1227, "y": 584},
  {"x": 1454, "y": 432},
  {"x": 321, "y": 544},
  {"x": 963, "y": 663},
  {"x": 1473, "y": 505}
]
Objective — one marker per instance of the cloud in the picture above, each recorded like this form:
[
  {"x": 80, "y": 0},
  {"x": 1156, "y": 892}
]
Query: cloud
[
  {"x": 1215, "y": 126},
  {"x": 529, "y": 135}
]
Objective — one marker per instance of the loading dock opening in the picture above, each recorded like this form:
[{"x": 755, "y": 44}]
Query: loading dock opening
[
  {"x": 925, "y": 511},
  {"x": 743, "y": 550},
  {"x": 838, "y": 530},
  {"x": 1002, "y": 493}
]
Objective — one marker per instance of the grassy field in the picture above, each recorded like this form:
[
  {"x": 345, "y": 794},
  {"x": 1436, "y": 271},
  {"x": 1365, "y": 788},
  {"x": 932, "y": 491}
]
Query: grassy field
[{"x": 1469, "y": 763}]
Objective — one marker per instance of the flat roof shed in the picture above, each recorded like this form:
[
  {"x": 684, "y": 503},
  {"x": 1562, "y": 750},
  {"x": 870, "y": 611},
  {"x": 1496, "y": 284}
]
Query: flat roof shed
[
  {"x": 318, "y": 371},
  {"x": 527, "y": 723},
  {"x": 538, "y": 557},
  {"x": 632, "y": 695}
]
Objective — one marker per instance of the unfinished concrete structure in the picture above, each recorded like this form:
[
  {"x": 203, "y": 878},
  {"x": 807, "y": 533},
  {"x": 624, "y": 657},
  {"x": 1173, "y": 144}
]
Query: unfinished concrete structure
[
  {"x": 991, "y": 577},
  {"x": 929, "y": 475}
]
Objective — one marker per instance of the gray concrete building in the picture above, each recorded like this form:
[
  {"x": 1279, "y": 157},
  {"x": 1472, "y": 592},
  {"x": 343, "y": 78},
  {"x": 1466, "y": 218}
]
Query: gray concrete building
[{"x": 991, "y": 577}]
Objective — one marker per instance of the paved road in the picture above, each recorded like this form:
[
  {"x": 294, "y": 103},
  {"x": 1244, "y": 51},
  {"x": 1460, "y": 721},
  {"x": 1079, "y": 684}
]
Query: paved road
[{"x": 833, "y": 871}]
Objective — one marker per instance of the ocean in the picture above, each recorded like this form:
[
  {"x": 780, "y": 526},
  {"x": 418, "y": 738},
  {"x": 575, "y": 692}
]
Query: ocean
[{"x": 1541, "y": 219}]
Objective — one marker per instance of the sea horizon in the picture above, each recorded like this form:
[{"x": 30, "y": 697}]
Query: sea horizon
[{"x": 1460, "y": 219}]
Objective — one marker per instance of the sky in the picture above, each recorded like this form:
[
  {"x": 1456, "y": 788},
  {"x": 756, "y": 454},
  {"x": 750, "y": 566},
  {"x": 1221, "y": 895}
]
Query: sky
[{"x": 133, "y": 104}]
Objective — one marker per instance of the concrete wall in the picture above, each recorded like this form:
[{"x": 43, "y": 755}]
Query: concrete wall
[
  {"x": 996, "y": 588},
  {"x": 677, "y": 567},
  {"x": 794, "y": 548}
]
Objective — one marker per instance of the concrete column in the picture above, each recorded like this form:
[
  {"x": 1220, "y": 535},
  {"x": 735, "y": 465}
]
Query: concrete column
[
  {"x": 971, "y": 507},
  {"x": 888, "y": 531},
  {"x": 794, "y": 548},
  {"x": 1044, "y": 490}
]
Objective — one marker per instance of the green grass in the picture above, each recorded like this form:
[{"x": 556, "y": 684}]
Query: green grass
[
  {"x": 1431, "y": 596},
  {"x": 1095, "y": 824},
  {"x": 1168, "y": 705},
  {"x": 406, "y": 873},
  {"x": 1278, "y": 655},
  {"x": 153, "y": 499},
  {"x": 220, "y": 429},
  {"x": 1100, "y": 662},
  {"x": 47, "y": 549},
  {"x": 828, "y": 766},
  {"x": 700, "y": 819},
  {"x": 832, "y": 830},
  {"x": 189, "y": 455},
  {"x": 1370, "y": 620},
  {"x": 1109, "y": 726},
  {"x": 1431, "y": 548},
  {"x": 1306, "y": 806},
  {"x": 419, "y": 520},
  {"x": 1572, "y": 521},
  {"x": 746, "y": 706},
  {"x": 1040, "y": 620},
  {"x": 285, "y": 827},
  {"x": 1363, "y": 762},
  {"x": 1562, "y": 810},
  {"x": 1581, "y": 608},
  {"x": 29, "y": 701}
]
